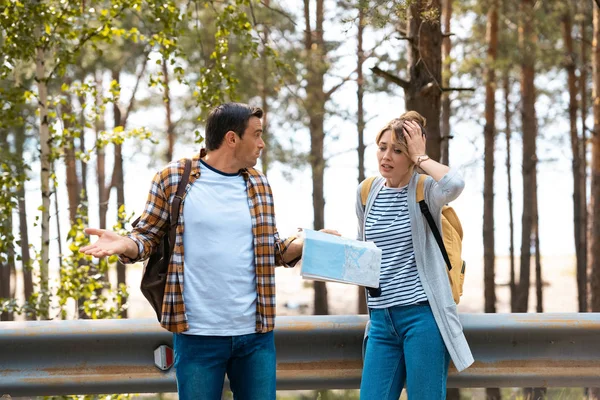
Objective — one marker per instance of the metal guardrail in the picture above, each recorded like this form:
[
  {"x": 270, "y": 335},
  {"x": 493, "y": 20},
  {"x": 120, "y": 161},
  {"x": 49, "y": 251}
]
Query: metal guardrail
[{"x": 313, "y": 352}]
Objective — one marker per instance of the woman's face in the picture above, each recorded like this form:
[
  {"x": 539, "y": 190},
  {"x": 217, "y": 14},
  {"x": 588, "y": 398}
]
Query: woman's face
[{"x": 394, "y": 164}]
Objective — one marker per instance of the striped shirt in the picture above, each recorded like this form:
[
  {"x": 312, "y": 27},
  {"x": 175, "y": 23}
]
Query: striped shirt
[
  {"x": 388, "y": 226},
  {"x": 268, "y": 247}
]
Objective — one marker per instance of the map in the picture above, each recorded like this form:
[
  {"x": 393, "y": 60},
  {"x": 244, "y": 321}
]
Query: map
[{"x": 332, "y": 258}]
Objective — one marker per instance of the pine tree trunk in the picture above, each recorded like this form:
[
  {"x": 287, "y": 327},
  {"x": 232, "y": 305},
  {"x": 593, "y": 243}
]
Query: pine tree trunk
[
  {"x": 423, "y": 94},
  {"x": 6, "y": 228},
  {"x": 489, "y": 133},
  {"x": 46, "y": 169},
  {"x": 490, "y": 139},
  {"x": 264, "y": 99},
  {"x": 567, "y": 27},
  {"x": 527, "y": 43},
  {"x": 117, "y": 182},
  {"x": 315, "y": 99},
  {"x": 23, "y": 229},
  {"x": 583, "y": 76},
  {"x": 360, "y": 125},
  {"x": 72, "y": 180},
  {"x": 82, "y": 163},
  {"x": 511, "y": 225},
  {"x": 169, "y": 121},
  {"x": 103, "y": 191},
  {"x": 595, "y": 188},
  {"x": 446, "y": 111}
]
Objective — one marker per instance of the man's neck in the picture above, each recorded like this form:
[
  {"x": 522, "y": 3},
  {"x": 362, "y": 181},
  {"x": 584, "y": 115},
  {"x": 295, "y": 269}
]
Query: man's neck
[{"x": 221, "y": 161}]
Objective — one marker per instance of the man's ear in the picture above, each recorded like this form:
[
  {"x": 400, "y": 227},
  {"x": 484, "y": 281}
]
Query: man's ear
[{"x": 230, "y": 138}]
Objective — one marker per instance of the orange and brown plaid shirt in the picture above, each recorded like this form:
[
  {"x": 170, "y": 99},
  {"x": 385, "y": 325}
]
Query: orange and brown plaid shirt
[{"x": 268, "y": 247}]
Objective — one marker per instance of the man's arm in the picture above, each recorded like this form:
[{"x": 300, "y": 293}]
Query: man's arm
[
  {"x": 109, "y": 243},
  {"x": 144, "y": 238},
  {"x": 294, "y": 249}
]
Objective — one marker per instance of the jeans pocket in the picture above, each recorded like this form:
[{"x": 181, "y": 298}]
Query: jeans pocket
[{"x": 452, "y": 320}]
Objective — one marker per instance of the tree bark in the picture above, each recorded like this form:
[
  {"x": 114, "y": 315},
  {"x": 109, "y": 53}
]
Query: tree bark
[
  {"x": 103, "y": 191},
  {"x": 527, "y": 43},
  {"x": 8, "y": 246},
  {"x": 360, "y": 124},
  {"x": 264, "y": 99},
  {"x": 423, "y": 94},
  {"x": 169, "y": 120},
  {"x": 583, "y": 76},
  {"x": 315, "y": 100},
  {"x": 45, "y": 171},
  {"x": 117, "y": 182},
  {"x": 23, "y": 229},
  {"x": 567, "y": 26},
  {"x": 489, "y": 133},
  {"x": 595, "y": 188},
  {"x": 446, "y": 111},
  {"x": 72, "y": 180},
  {"x": 511, "y": 224},
  {"x": 490, "y": 139}
]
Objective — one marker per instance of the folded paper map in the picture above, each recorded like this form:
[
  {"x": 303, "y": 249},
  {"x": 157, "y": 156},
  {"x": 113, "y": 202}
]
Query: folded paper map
[{"x": 332, "y": 258}]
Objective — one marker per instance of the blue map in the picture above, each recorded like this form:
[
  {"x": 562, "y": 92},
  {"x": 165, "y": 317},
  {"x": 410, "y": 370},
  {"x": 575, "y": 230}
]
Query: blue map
[{"x": 332, "y": 258}]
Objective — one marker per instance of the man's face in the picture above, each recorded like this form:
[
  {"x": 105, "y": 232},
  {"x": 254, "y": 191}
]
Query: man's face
[{"x": 249, "y": 146}]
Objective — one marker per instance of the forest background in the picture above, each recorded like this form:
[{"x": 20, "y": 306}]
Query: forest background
[{"x": 96, "y": 96}]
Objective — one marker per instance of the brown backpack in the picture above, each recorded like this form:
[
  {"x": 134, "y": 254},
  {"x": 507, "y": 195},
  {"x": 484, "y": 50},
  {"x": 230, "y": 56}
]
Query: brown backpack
[{"x": 156, "y": 268}]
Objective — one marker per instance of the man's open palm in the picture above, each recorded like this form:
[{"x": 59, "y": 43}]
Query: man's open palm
[{"x": 108, "y": 243}]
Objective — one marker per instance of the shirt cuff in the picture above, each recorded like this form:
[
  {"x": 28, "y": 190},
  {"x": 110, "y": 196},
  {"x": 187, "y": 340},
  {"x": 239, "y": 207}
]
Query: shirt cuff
[{"x": 140, "y": 246}]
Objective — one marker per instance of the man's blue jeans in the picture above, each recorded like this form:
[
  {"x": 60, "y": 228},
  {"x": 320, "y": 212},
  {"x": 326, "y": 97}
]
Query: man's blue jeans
[
  {"x": 201, "y": 363},
  {"x": 404, "y": 346}
]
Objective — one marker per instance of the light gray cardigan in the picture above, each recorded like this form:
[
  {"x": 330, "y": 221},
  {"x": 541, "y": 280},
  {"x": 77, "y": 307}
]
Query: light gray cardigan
[{"x": 430, "y": 263}]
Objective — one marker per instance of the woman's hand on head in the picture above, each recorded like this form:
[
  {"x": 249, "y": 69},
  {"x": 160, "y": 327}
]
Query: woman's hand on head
[{"x": 415, "y": 139}]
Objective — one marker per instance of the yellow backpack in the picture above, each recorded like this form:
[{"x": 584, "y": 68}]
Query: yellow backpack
[{"x": 450, "y": 241}]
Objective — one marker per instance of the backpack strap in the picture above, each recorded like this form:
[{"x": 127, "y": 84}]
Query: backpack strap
[
  {"x": 176, "y": 204},
  {"x": 425, "y": 210},
  {"x": 365, "y": 188}
]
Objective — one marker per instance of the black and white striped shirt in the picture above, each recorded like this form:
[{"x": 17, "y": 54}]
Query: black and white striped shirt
[{"x": 388, "y": 226}]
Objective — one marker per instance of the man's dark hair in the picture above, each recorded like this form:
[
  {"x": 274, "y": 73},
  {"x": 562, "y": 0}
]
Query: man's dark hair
[{"x": 228, "y": 117}]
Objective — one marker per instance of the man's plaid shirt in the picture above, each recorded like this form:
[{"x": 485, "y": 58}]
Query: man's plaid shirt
[{"x": 268, "y": 248}]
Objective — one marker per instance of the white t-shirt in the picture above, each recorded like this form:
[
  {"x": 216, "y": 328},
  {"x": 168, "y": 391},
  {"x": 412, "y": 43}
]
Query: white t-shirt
[{"x": 219, "y": 289}]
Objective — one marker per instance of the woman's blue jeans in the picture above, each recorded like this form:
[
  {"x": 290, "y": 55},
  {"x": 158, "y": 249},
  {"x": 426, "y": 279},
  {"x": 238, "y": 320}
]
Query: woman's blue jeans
[
  {"x": 404, "y": 346},
  {"x": 201, "y": 363}
]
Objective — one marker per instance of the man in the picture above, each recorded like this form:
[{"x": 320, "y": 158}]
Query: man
[{"x": 224, "y": 323}]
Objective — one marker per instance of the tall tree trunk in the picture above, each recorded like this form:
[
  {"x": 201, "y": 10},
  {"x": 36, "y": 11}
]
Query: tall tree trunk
[
  {"x": 73, "y": 185},
  {"x": 315, "y": 100},
  {"x": 117, "y": 182},
  {"x": 511, "y": 224},
  {"x": 264, "y": 99},
  {"x": 8, "y": 246},
  {"x": 539, "y": 282},
  {"x": 595, "y": 188},
  {"x": 169, "y": 120},
  {"x": 82, "y": 149},
  {"x": 527, "y": 44},
  {"x": 567, "y": 27},
  {"x": 103, "y": 191},
  {"x": 45, "y": 166},
  {"x": 490, "y": 139},
  {"x": 23, "y": 229},
  {"x": 425, "y": 68},
  {"x": 360, "y": 125},
  {"x": 423, "y": 90},
  {"x": 583, "y": 76},
  {"x": 489, "y": 133},
  {"x": 446, "y": 47}
]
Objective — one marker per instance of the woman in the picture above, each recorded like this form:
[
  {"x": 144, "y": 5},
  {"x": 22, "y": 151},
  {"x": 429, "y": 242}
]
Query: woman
[{"x": 414, "y": 327}]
